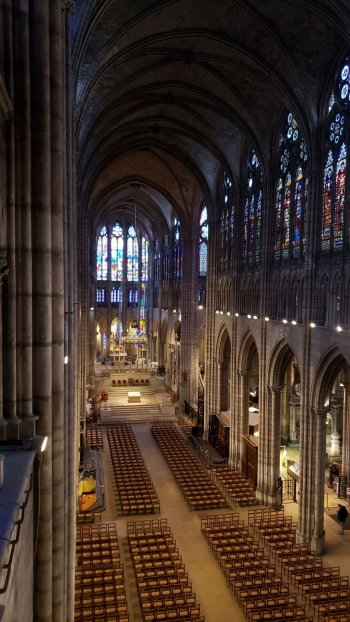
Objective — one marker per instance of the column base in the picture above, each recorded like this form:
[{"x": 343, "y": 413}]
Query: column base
[{"x": 317, "y": 544}]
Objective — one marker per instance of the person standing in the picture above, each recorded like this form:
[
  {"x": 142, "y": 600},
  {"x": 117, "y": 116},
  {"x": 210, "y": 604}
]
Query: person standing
[{"x": 342, "y": 515}]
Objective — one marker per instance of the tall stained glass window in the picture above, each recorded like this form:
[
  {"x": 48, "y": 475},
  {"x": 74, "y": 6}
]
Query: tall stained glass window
[
  {"x": 117, "y": 253},
  {"x": 144, "y": 257},
  {"x": 291, "y": 194},
  {"x": 102, "y": 255},
  {"x": 166, "y": 257},
  {"x": 203, "y": 242},
  {"x": 335, "y": 165},
  {"x": 177, "y": 264},
  {"x": 156, "y": 261},
  {"x": 252, "y": 213},
  {"x": 226, "y": 224},
  {"x": 132, "y": 257}
]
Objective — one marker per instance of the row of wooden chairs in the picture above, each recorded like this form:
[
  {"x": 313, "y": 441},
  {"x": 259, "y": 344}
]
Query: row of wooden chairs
[
  {"x": 255, "y": 581},
  {"x": 89, "y": 517},
  {"x": 195, "y": 482},
  {"x": 326, "y": 592},
  {"x": 164, "y": 590},
  {"x": 135, "y": 487},
  {"x": 235, "y": 485},
  {"x": 130, "y": 382},
  {"x": 94, "y": 437},
  {"x": 99, "y": 576}
]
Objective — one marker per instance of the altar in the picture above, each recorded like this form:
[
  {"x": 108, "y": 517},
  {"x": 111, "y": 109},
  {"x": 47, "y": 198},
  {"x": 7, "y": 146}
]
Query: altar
[{"x": 134, "y": 397}]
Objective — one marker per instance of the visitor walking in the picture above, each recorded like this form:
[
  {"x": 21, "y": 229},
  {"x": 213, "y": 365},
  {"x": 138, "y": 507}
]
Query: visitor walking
[{"x": 342, "y": 515}]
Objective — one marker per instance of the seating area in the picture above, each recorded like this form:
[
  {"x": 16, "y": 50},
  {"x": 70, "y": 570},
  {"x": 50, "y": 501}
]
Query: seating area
[
  {"x": 130, "y": 382},
  {"x": 164, "y": 590},
  {"x": 195, "y": 482},
  {"x": 94, "y": 438},
  {"x": 256, "y": 582},
  {"x": 235, "y": 485},
  {"x": 135, "y": 488},
  {"x": 99, "y": 577}
]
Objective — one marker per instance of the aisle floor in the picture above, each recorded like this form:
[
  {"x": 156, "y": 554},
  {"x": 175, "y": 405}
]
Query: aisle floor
[{"x": 216, "y": 601}]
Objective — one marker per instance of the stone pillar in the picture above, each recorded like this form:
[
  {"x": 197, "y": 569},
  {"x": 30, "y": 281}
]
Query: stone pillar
[
  {"x": 285, "y": 415},
  {"x": 294, "y": 414},
  {"x": 269, "y": 448},
  {"x": 42, "y": 297},
  {"x": 3, "y": 274},
  {"x": 318, "y": 534},
  {"x": 240, "y": 413},
  {"x": 346, "y": 432}
]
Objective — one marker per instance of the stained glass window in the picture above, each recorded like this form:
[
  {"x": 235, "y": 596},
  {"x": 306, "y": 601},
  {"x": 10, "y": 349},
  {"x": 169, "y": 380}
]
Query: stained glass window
[
  {"x": 117, "y": 296},
  {"x": 177, "y": 264},
  {"x": 291, "y": 194},
  {"x": 102, "y": 255},
  {"x": 226, "y": 224},
  {"x": 132, "y": 258},
  {"x": 142, "y": 303},
  {"x": 114, "y": 296},
  {"x": 144, "y": 257},
  {"x": 156, "y": 261},
  {"x": 252, "y": 213},
  {"x": 166, "y": 257},
  {"x": 117, "y": 253},
  {"x": 203, "y": 242},
  {"x": 334, "y": 170},
  {"x": 101, "y": 296},
  {"x": 201, "y": 295}
]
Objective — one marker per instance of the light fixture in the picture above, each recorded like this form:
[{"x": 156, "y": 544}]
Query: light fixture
[
  {"x": 65, "y": 360},
  {"x": 174, "y": 310},
  {"x": 237, "y": 314},
  {"x": 92, "y": 308},
  {"x": 255, "y": 317},
  {"x": 293, "y": 322},
  {"x": 200, "y": 306},
  {"x": 217, "y": 311},
  {"x": 228, "y": 313},
  {"x": 267, "y": 319},
  {"x": 284, "y": 321},
  {"x": 249, "y": 316},
  {"x": 221, "y": 312},
  {"x": 338, "y": 329},
  {"x": 312, "y": 325},
  {"x": 39, "y": 443}
]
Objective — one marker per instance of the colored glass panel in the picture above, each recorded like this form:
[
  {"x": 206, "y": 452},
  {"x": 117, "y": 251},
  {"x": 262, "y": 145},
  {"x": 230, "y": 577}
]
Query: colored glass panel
[
  {"x": 298, "y": 210},
  {"x": 252, "y": 213},
  {"x": 144, "y": 258},
  {"x": 286, "y": 215},
  {"x": 117, "y": 253},
  {"x": 132, "y": 256},
  {"x": 327, "y": 203},
  {"x": 102, "y": 255},
  {"x": 339, "y": 202},
  {"x": 203, "y": 242},
  {"x": 166, "y": 257}
]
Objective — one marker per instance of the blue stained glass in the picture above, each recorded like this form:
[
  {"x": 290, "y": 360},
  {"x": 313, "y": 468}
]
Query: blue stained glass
[
  {"x": 252, "y": 212},
  {"x": 203, "y": 242},
  {"x": 144, "y": 257},
  {"x": 132, "y": 256},
  {"x": 344, "y": 84},
  {"x": 117, "y": 253},
  {"x": 102, "y": 255}
]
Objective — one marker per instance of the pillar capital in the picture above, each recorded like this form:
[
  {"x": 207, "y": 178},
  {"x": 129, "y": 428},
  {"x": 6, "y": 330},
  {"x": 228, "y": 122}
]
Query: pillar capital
[
  {"x": 241, "y": 372},
  {"x": 319, "y": 412}
]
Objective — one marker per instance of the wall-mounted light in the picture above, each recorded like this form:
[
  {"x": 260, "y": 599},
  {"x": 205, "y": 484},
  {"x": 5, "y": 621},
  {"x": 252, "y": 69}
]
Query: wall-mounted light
[
  {"x": 312, "y": 325},
  {"x": 221, "y": 312},
  {"x": 267, "y": 319},
  {"x": 255, "y": 317},
  {"x": 284, "y": 321},
  {"x": 92, "y": 308},
  {"x": 237, "y": 314},
  {"x": 338, "y": 329},
  {"x": 200, "y": 306},
  {"x": 217, "y": 311},
  {"x": 294, "y": 322},
  {"x": 249, "y": 316},
  {"x": 228, "y": 313},
  {"x": 65, "y": 360}
]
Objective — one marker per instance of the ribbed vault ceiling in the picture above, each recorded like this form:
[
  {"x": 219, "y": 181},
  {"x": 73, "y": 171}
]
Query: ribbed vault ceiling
[{"x": 167, "y": 93}]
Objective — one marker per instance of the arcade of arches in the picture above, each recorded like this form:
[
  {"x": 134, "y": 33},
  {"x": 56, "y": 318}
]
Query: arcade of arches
[{"x": 175, "y": 197}]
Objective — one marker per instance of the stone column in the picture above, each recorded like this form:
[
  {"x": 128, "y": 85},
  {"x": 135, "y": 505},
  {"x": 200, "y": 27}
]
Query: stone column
[
  {"x": 318, "y": 535},
  {"x": 269, "y": 448},
  {"x": 346, "y": 432},
  {"x": 240, "y": 414},
  {"x": 42, "y": 297},
  {"x": 3, "y": 274}
]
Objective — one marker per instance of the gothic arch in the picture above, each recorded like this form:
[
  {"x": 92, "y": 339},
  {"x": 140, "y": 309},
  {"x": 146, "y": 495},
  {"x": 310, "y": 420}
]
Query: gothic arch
[
  {"x": 280, "y": 358},
  {"x": 332, "y": 363},
  {"x": 248, "y": 349}
]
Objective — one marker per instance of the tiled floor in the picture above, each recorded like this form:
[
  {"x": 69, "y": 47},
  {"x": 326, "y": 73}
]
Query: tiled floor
[{"x": 217, "y": 602}]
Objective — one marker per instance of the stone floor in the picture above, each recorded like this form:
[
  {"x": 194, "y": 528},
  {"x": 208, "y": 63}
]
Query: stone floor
[{"x": 216, "y": 600}]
